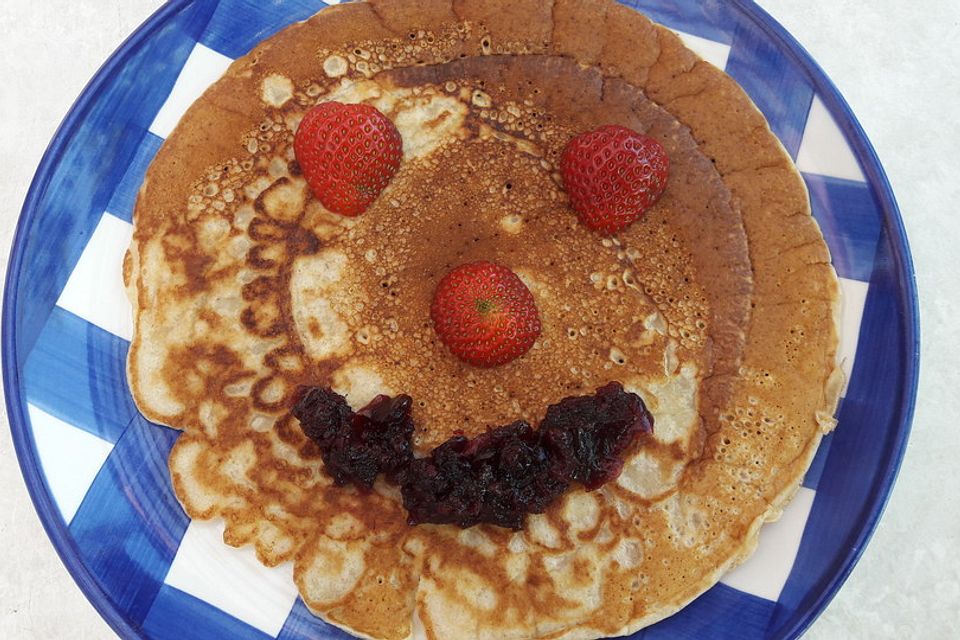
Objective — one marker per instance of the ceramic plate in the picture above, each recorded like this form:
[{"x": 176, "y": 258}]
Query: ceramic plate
[{"x": 97, "y": 470}]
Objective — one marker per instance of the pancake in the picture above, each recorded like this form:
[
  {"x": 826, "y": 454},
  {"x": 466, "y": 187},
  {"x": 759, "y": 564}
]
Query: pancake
[{"x": 719, "y": 308}]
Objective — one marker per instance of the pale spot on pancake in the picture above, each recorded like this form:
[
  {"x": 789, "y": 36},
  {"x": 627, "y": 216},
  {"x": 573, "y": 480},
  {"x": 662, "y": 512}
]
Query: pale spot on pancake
[
  {"x": 656, "y": 322},
  {"x": 325, "y": 224},
  {"x": 325, "y": 332},
  {"x": 261, "y": 422},
  {"x": 387, "y": 489},
  {"x": 359, "y": 383},
  {"x": 353, "y": 92},
  {"x": 628, "y": 553},
  {"x": 604, "y": 534},
  {"x": 542, "y": 532},
  {"x": 256, "y": 187},
  {"x": 275, "y": 252},
  {"x": 670, "y": 359},
  {"x": 273, "y": 545},
  {"x": 673, "y": 402},
  {"x": 278, "y": 168},
  {"x": 481, "y": 99},
  {"x": 238, "y": 463},
  {"x": 211, "y": 232},
  {"x": 474, "y": 589},
  {"x": 576, "y": 575},
  {"x": 246, "y": 276},
  {"x": 292, "y": 121},
  {"x": 685, "y": 520},
  {"x": 486, "y": 132},
  {"x": 475, "y": 539},
  {"x": 622, "y": 507},
  {"x": 335, "y": 66},
  {"x": 581, "y": 512},
  {"x": 417, "y": 630},
  {"x": 512, "y": 223},
  {"x": 243, "y": 216},
  {"x": 206, "y": 412},
  {"x": 276, "y": 90},
  {"x": 428, "y": 122},
  {"x": 343, "y": 526},
  {"x": 617, "y": 356},
  {"x": 517, "y": 566},
  {"x": 424, "y": 121},
  {"x": 365, "y": 68},
  {"x": 227, "y": 306},
  {"x": 273, "y": 391},
  {"x": 517, "y": 543},
  {"x": 646, "y": 475},
  {"x": 314, "y": 281},
  {"x": 237, "y": 247},
  {"x": 285, "y": 199},
  {"x": 239, "y": 389},
  {"x": 414, "y": 545},
  {"x": 333, "y": 569}
]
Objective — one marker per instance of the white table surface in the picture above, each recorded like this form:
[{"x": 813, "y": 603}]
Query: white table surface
[{"x": 896, "y": 62}]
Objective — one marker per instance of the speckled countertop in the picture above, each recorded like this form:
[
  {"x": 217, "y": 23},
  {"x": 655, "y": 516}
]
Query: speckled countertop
[{"x": 895, "y": 62}]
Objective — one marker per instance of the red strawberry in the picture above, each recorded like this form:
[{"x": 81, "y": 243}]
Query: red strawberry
[
  {"x": 613, "y": 175},
  {"x": 348, "y": 153},
  {"x": 485, "y": 314}
]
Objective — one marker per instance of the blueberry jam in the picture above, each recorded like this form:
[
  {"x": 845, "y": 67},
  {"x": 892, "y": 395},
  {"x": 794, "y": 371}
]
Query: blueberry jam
[{"x": 497, "y": 477}]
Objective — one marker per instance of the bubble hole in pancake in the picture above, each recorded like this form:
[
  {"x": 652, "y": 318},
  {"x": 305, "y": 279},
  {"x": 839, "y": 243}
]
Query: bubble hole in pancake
[{"x": 719, "y": 309}]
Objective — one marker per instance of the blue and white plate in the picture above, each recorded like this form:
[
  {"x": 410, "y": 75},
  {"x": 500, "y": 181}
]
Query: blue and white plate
[{"x": 97, "y": 470}]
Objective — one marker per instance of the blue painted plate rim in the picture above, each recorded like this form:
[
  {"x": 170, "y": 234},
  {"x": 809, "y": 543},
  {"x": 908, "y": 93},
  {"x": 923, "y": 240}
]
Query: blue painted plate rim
[
  {"x": 25, "y": 448},
  {"x": 907, "y": 289}
]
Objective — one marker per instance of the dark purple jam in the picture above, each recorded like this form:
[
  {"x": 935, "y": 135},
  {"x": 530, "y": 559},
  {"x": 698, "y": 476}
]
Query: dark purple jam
[
  {"x": 497, "y": 477},
  {"x": 587, "y": 436},
  {"x": 356, "y": 447}
]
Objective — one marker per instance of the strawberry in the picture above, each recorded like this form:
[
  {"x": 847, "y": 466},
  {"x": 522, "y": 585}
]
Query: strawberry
[
  {"x": 485, "y": 314},
  {"x": 613, "y": 175},
  {"x": 348, "y": 154}
]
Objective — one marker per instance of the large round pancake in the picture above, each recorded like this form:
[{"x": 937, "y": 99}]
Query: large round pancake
[{"x": 759, "y": 356}]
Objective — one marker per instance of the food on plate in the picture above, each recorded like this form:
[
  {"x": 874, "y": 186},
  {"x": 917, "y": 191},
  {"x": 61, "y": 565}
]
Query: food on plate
[
  {"x": 485, "y": 314},
  {"x": 613, "y": 175},
  {"x": 293, "y": 316},
  {"x": 497, "y": 477},
  {"x": 347, "y": 153}
]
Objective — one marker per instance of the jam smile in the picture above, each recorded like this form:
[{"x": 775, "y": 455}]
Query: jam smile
[{"x": 497, "y": 477}]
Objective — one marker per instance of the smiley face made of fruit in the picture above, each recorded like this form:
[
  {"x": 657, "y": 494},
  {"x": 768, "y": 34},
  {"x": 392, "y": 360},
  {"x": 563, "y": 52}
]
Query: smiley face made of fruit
[
  {"x": 486, "y": 316},
  {"x": 481, "y": 311}
]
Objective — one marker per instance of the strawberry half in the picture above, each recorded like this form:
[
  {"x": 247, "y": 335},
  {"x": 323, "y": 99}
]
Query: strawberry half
[
  {"x": 613, "y": 175},
  {"x": 348, "y": 154},
  {"x": 485, "y": 314}
]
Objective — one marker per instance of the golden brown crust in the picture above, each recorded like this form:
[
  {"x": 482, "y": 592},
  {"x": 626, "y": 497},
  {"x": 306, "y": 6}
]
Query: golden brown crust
[{"x": 771, "y": 321}]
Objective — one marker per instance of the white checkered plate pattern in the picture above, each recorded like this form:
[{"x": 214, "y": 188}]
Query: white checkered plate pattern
[{"x": 97, "y": 469}]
